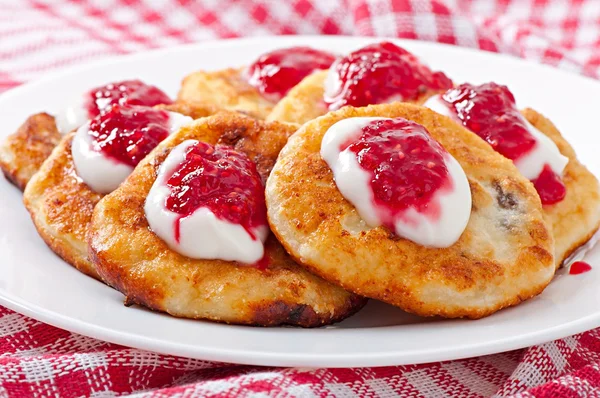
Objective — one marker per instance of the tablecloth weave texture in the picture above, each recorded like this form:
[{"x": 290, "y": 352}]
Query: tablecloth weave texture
[{"x": 37, "y": 37}]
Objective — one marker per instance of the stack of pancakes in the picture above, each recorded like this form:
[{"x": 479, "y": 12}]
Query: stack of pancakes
[{"x": 324, "y": 262}]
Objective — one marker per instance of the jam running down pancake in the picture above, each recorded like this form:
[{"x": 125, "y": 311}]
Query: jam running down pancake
[
  {"x": 400, "y": 252},
  {"x": 148, "y": 238},
  {"x": 375, "y": 74},
  {"x": 257, "y": 88}
]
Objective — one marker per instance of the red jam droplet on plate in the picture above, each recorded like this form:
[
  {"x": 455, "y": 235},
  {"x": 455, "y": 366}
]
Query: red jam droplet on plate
[
  {"x": 127, "y": 92},
  {"x": 276, "y": 72},
  {"x": 489, "y": 110},
  {"x": 549, "y": 186},
  {"x": 579, "y": 267},
  {"x": 222, "y": 180},
  {"x": 128, "y": 133},
  {"x": 406, "y": 166},
  {"x": 380, "y": 73}
]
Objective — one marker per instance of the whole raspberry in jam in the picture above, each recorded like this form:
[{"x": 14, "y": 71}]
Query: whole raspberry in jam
[
  {"x": 128, "y": 133},
  {"x": 489, "y": 110},
  {"x": 276, "y": 72},
  {"x": 221, "y": 179},
  {"x": 127, "y": 92},
  {"x": 406, "y": 166},
  {"x": 380, "y": 73}
]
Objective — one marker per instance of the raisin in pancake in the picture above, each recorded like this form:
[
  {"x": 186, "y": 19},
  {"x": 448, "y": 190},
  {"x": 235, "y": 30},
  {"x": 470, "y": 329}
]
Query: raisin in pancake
[
  {"x": 305, "y": 102},
  {"x": 22, "y": 153},
  {"x": 131, "y": 258},
  {"x": 61, "y": 204},
  {"x": 504, "y": 256},
  {"x": 576, "y": 218},
  {"x": 227, "y": 89}
]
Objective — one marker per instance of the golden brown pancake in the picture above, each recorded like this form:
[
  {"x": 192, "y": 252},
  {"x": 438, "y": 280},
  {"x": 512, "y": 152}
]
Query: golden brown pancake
[
  {"x": 577, "y": 217},
  {"x": 131, "y": 258},
  {"x": 305, "y": 102},
  {"x": 504, "y": 256},
  {"x": 61, "y": 204},
  {"x": 227, "y": 89},
  {"x": 23, "y": 152}
]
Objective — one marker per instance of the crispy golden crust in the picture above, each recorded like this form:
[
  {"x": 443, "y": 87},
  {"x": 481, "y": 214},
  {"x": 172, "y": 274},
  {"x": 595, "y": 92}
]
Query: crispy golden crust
[
  {"x": 576, "y": 218},
  {"x": 136, "y": 262},
  {"x": 22, "y": 153},
  {"x": 61, "y": 204},
  {"x": 305, "y": 102},
  {"x": 503, "y": 257},
  {"x": 227, "y": 89}
]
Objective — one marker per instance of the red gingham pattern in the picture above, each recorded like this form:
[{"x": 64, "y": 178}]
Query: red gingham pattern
[{"x": 39, "y": 36}]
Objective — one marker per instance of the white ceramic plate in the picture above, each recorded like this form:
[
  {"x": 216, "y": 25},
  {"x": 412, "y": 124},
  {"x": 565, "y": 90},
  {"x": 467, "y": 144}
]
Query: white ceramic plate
[{"x": 35, "y": 282}]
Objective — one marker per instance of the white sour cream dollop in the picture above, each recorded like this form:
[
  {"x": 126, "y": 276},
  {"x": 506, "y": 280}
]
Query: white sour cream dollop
[
  {"x": 101, "y": 173},
  {"x": 202, "y": 235},
  {"x": 72, "y": 116},
  {"x": 353, "y": 182}
]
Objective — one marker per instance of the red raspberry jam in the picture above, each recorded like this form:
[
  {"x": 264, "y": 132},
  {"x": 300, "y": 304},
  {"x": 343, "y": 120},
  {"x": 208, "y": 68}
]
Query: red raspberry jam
[
  {"x": 221, "y": 179},
  {"x": 579, "y": 267},
  {"x": 380, "y": 73},
  {"x": 263, "y": 263},
  {"x": 276, "y": 72},
  {"x": 549, "y": 186},
  {"x": 406, "y": 166},
  {"x": 127, "y": 92},
  {"x": 128, "y": 133},
  {"x": 490, "y": 111}
]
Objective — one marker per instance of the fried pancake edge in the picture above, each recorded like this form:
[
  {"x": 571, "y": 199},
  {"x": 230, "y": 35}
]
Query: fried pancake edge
[
  {"x": 227, "y": 89},
  {"x": 577, "y": 217},
  {"x": 60, "y": 205},
  {"x": 23, "y": 152}
]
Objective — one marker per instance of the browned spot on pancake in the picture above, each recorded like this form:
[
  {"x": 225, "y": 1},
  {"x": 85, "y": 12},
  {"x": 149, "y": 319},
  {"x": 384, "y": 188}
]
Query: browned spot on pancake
[{"x": 22, "y": 153}]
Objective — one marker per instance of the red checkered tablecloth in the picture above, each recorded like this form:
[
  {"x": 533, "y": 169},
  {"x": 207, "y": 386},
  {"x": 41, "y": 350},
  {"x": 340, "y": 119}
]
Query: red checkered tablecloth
[{"x": 39, "y": 36}]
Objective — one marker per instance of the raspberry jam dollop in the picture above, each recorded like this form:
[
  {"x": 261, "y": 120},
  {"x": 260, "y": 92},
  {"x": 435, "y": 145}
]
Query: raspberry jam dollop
[
  {"x": 207, "y": 202},
  {"x": 406, "y": 166},
  {"x": 222, "y": 180},
  {"x": 379, "y": 73},
  {"x": 127, "y": 92},
  {"x": 489, "y": 110},
  {"x": 579, "y": 267},
  {"x": 398, "y": 176},
  {"x": 276, "y": 72},
  {"x": 127, "y": 134}
]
